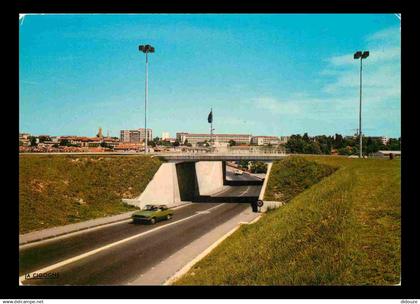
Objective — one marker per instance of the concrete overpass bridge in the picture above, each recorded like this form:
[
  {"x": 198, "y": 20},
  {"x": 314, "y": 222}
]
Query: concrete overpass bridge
[
  {"x": 197, "y": 176},
  {"x": 221, "y": 156}
]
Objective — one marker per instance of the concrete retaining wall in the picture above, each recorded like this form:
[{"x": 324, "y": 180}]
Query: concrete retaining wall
[
  {"x": 162, "y": 189},
  {"x": 187, "y": 181},
  {"x": 175, "y": 182},
  {"x": 268, "y": 205},
  {"x": 209, "y": 176}
]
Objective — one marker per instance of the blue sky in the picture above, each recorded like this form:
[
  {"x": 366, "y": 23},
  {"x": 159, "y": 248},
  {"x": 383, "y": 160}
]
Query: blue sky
[{"x": 262, "y": 74}]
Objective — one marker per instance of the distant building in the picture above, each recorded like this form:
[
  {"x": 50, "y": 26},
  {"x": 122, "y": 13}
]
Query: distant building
[
  {"x": 179, "y": 136},
  {"x": 193, "y": 139},
  {"x": 24, "y": 139},
  {"x": 135, "y": 136},
  {"x": 284, "y": 139},
  {"x": 384, "y": 153},
  {"x": 99, "y": 133},
  {"x": 165, "y": 135},
  {"x": 128, "y": 147},
  {"x": 265, "y": 140},
  {"x": 383, "y": 139}
]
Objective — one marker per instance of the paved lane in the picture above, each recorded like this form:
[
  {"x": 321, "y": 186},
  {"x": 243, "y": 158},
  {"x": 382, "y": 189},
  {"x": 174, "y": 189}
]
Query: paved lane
[
  {"x": 125, "y": 262},
  {"x": 119, "y": 264},
  {"x": 39, "y": 256},
  {"x": 238, "y": 191},
  {"x": 231, "y": 176}
]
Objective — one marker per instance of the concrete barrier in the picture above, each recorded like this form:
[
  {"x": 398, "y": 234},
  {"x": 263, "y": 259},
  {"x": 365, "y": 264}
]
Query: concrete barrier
[
  {"x": 162, "y": 189},
  {"x": 268, "y": 205},
  {"x": 209, "y": 176},
  {"x": 175, "y": 182}
]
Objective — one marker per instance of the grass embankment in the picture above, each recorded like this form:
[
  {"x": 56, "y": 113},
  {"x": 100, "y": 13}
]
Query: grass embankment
[
  {"x": 344, "y": 230},
  {"x": 57, "y": 190}
]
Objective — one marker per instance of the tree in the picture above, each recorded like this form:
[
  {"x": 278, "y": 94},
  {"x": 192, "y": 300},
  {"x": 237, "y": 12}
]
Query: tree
[
  {"x": 43, "y": 138},
  {"x": 176, "y": 143},
  {"x": 258, "y": 167},
  {"x": 338, "y": 141},
  {"x": 232, "y": 142},
  {"x": 244, "y": 164},
  {"x": 32, "y": 139},
  {"x": 64, "y": 142},
  {"x": 394, "y": 144},
  {"x": 295, "y": 144}
]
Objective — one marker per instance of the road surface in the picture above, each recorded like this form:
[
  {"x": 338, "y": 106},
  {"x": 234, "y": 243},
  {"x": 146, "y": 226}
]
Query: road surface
[
  {"x": 140, "y": 247},
  {"x": 231, "y": 176}
]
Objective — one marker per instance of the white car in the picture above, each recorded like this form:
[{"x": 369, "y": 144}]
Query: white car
[{"x": 238, "y": 172}]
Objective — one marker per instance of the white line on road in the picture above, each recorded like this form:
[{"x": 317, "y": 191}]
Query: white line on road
[
  {"x": 85, "y": 230},
  {"x": 92, "y": 252},
  {"x": 245, "y": 191},
  {"x": 70, "y": 234}
]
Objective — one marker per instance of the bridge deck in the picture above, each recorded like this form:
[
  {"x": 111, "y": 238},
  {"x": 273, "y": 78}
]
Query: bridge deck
[
  {"x": 221, "y": 157},
  {"x": 182, "y": 156}
]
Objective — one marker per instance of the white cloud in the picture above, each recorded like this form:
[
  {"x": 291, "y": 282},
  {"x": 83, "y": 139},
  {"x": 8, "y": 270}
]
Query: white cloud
[
  {"x": 377, "y": 55},
  {"x": 386, "y": 35},
  {"x": 336, "y": 104},
  {"x": 276, "y": 106},
  {"x": 381, "y": 70}
]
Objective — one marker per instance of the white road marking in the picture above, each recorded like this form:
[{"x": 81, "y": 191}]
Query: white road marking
[
  {"x": 203, "y": 212},
  {"x": 92, "y": 252},
  {"x": 245, "y": 191},
  {"x": 81, "y": 231},
  {"x": 59, "y": 237}
]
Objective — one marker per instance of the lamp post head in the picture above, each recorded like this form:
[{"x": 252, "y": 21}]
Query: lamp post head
[
  {"x": 357, "y": 55},
  {"x": 146, "y": 48}
]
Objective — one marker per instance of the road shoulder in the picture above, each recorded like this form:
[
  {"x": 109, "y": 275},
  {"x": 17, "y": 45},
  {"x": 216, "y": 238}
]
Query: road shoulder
[
  {"x": 181, "y": 261},
  {"x": 71, "y": 229}
]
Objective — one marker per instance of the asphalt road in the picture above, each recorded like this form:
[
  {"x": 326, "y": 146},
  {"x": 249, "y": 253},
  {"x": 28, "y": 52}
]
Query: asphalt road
[
  {"x": 121, "y": 263},
  {"x": 230, "y": 175}
]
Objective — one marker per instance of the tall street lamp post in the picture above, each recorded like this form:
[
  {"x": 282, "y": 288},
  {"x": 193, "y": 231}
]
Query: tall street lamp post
[
  {"x": 146, "y": 49},
  {"x": 361, "y": 56}
]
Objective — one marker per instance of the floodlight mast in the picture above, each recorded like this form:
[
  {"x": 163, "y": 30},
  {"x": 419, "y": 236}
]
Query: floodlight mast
[
  {"x": 146, "y": 49},
  {"x": 361, "y": 56}
]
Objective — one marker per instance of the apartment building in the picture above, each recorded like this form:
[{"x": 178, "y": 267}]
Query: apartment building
[{"x": 135, "y": 136}]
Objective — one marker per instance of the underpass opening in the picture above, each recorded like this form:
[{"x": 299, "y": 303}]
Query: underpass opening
[
  {"x": 217, "y": 182},
  {"x": 243, "y": 187}
]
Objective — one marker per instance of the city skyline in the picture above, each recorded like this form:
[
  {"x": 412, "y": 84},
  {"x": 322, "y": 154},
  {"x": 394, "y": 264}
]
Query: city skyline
[{"x": 261, "y": 74}]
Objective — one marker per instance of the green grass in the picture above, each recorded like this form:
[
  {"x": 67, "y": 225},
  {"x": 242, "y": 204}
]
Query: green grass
[
  {"x": 57, "y": 190},
  {"x": 292, "y": 176},
  {"x": 344, "y": 230}
]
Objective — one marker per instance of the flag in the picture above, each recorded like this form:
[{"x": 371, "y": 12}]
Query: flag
[{"x": 210, "y": 118}]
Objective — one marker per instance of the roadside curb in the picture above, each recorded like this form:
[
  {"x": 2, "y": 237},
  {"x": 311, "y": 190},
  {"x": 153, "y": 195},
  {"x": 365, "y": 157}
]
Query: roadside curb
[
  {"x": 208, "y": 250},
  {"x": 55, "y": 232},
  {"x": 76, "y": 228}
]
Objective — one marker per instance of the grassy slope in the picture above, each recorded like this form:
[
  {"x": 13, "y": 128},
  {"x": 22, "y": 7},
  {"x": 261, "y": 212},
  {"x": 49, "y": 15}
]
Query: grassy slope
[
  {"x": 345, "y": 230},
  {"x": 56, "y": 190}
]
